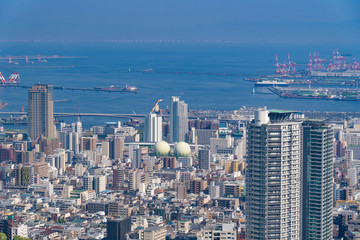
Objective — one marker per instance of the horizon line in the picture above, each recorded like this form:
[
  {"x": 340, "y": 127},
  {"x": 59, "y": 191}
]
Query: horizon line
[{"x": 175, "y": 41}]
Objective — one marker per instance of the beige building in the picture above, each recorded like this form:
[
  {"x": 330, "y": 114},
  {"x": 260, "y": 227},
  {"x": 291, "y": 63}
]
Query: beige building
[
  {"x": 183, "y": 227},
  {"x": 153, "y": 233},
  {"x": 118, "y": 209},
  {"x": 221, "y": 231},
  {"x": 88, "y": 143}
]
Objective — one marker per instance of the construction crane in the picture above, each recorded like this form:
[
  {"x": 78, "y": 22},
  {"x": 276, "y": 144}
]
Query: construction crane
[{"x": 156, "y": 104}]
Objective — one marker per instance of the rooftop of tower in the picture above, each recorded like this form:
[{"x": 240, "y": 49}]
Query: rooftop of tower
[
  {"x": 276, "y": 115},
  {"x": 281, "y": 111}
]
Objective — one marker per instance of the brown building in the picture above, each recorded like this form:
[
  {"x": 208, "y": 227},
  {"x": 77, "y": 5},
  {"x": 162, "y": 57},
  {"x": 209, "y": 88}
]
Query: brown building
[
  {"x": 197, "y": 186},
  {"x": 6, "y": 153},
  {"x": 41, "y": 169},
  {"x": 119, "y": 209},
  {"x": 116, "y": 147},
  {"x": 118, "y": 177},
  {"x": 24, "y": 157},
  {"x": 88, "y": 143},
  {"x": 233, "y": 189},
  {"x": 203, "y": 124},
  {"x": 48, "y": 145},
  {"x": 169, "y": 162},
  {"x": 41, "y": 112},
  {"x": 339, "y": 148},
  {"x": 181, "y": 192}
]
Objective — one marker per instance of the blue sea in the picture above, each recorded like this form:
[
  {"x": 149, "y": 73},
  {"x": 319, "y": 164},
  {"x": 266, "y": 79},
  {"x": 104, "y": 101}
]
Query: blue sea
[{"x": 108, "y": 64}]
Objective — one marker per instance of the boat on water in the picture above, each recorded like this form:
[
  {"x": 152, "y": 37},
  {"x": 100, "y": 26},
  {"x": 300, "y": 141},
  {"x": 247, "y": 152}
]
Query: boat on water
[
  {"x": 270, "y": 83},
  {"x": 130, "y": 89}
]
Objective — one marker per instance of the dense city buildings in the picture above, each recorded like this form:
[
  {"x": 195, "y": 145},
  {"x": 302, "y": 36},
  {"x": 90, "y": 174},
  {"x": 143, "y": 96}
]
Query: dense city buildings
[{"x": 243, "y": 174}]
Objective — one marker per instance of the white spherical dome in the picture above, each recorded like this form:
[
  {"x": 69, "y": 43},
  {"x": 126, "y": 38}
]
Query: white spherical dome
[
  {"x": 182, "y": 149},
  {"x": 162, "y": 148}
]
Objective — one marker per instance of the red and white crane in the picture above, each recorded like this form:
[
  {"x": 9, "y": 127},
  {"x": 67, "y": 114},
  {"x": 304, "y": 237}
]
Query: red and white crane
[
  {"x": 310, "y": 63},
  {"x": 13, "y": 79},
  {"x": 278, "y": 69},
  {"x": 156, "y": 105},
  {"x": 3, "y": 80},
  {"x": 286, "y": 67}
]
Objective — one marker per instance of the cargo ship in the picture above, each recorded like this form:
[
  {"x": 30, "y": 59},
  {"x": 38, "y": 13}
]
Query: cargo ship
[
  {"x": 111, "y": 88},
  {"x": 114, "y": 88},
  {"x": 270, "y": 83}
]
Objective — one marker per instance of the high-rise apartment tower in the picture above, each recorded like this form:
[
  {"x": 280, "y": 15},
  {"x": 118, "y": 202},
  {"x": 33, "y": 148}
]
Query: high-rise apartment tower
[
  {"x": 178, "y": 120},
  {"x": 318, "y": 154},
  {"x": 153, "y": 128},
  {"x": 41, "y": 112},
  {"x": 273, "y": 177}
]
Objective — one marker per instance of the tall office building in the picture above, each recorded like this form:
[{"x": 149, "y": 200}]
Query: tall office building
[
  {"x": 317, "y": 181},
  {"x": 273, "y": 176},
  {"x": 117, "y": 229},
  {"x": 178, "y": 120},
  {"x": 41, "y": 112},
  {"x": 116, "y": 147},
  {"x": 153, "y": 128},
  {"x": 204, "y": 159},
  {"x": 135, "y": 155}
]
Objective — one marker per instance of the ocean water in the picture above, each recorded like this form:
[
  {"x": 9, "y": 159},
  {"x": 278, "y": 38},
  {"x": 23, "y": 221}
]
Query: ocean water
[{"x": 108, "y": 64}]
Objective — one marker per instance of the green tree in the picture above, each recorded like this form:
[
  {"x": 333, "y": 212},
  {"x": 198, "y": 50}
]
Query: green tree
[
  {"x": 3, "y": 236},
  {"x": 17, "y": 237}
]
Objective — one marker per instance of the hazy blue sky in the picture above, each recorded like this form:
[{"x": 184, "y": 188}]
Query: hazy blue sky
[{"x": 232, "y": 20}]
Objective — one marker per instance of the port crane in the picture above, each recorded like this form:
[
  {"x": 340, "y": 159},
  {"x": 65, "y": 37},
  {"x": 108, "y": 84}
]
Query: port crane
[
  {"x": 336, "y": 63},
  {"x": 285, "y": 68},
  {"x": 13, "y": 79}
]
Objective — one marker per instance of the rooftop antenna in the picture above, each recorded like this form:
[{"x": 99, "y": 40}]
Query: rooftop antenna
[{"x": 79, "y": 114}]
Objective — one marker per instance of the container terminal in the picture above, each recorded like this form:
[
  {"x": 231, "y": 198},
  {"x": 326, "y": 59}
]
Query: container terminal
[{"x": 335, "y": 71}]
